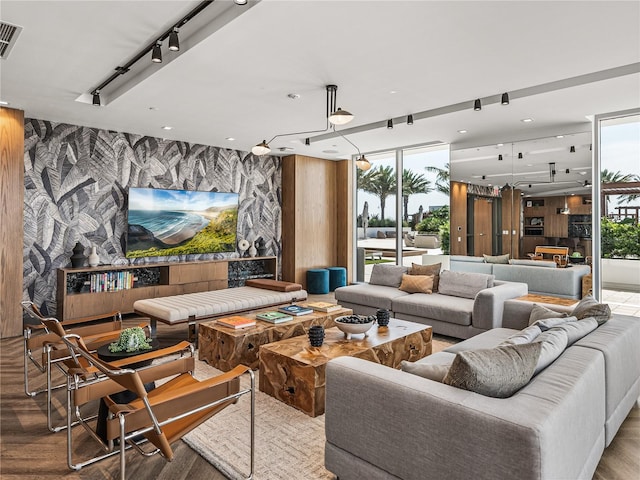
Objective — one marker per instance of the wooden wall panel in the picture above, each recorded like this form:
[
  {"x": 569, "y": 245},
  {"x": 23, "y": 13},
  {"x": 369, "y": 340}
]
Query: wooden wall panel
[
  {"x": 511, "y": 222},
  {"x": 458, "y": 218},
  {"x": 11, "y": 220},
  {"x": 309, "y": 200},
  {"x": 344, "y": 217}
]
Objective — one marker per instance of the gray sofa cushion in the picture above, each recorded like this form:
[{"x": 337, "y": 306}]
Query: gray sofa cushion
[
  {"x": 463, "y": 284},
  {"x": 538, "y": 312},
  {"x": 575, "y": 329},
  {"x": 547, "y": 323},
  {"x": 489, "y": 339},
  {"x": 435, "y": 306},
  {"x": 526, "y": 335},
  {"x": 534, "y": 263},
  {"x": 432, "y": 371},
  {"x": 459, "y": 263},
  {"x": 387, "y": 275},
  {"x": 553, "y": 343},
  {"x": 590, "y": 307},
  {"x": 376, "y": 296},
  {"x": 497, "y": 372}
]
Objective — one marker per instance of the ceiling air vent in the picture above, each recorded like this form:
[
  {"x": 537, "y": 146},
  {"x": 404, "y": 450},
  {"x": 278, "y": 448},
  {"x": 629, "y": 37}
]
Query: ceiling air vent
[{"x": 8, "y": 36}]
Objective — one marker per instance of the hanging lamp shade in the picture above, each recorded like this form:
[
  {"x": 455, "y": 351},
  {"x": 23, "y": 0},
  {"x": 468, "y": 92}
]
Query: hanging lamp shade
[
  {"x": 340, "y": 117},
  {"x": 261, "y": 149},
  {"x": 363, "y": 164}
]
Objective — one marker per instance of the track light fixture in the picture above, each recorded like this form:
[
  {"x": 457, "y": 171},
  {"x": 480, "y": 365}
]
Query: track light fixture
[
  {"x": 96, "y": 98},
  {"x": 174, "y": 42},
  {"x": 410, "y": 120},
  {"x": 240, "y": 2},
  {"x": 505, "y": 99},
  {"x": 154, "y": 48},
  {"x": 333, "y": 117},
  {"x": 572, "y": 149},
  {"x": 389, "y": 124},
  {"x": 156, "y": 53},
  {"x": 500, "y": 157},
  {"x": 520, "y": 156},
  {"x": 477, "y": 105},
  {"x": 484, "y": 177},
  {"x": 307, "y": 142},
  {"x": 567, "y": 171}
]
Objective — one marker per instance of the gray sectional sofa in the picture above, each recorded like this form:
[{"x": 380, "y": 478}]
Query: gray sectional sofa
[
  {"x": 383, "y": 423},
  {"x": 455, "y": 316},
  {"x": 542, "y": 277}
]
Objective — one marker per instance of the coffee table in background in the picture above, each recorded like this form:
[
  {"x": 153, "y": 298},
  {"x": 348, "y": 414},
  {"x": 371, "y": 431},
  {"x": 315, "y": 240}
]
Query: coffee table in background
[
  {"x": 532, "y": 297},
  {"x": 225, "y": 348},
  {"x": 294, "y": 372}
]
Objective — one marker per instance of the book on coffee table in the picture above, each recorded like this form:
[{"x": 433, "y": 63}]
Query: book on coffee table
[
  {"x": 323, "y": 306},
  {"x": 237, "y": 322},
  {"x": 274, "y": 317},
  {"x": 295, "y": 310}
]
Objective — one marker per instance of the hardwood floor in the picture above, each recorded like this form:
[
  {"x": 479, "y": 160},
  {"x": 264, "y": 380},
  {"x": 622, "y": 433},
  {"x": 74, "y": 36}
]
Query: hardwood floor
[{"x": 29, "y": 451}]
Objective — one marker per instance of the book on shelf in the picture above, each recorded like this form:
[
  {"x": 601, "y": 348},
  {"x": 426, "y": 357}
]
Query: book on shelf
[
  {"x": 237, "y": 322},
  {"x": 295, "y": 310},
  {"x": 274, "y": 317},
  {"x": 323, "y": 306}
]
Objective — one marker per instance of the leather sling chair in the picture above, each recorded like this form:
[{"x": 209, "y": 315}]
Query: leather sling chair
[
  {"x": 162, "y": 415},
  {"x": 54, "y": 352}
]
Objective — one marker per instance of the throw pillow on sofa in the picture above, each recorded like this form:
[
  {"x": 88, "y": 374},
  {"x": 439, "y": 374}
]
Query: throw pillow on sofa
[
  {"x": 433, "y": 269},
  {"x": 553, "y": 343},
  {"x": 494, "y": 372},
  {"x": 502, "y": 259},
  {"x": 463, "y": 284},
  {"x": 575, "y": 329},
  {"x": 538, "y": 312},
  {"x": 417, "y": 283},
  {"x": 589, "y": 307},
  {"x": 526, "y": 335},
  {"x": 426, "y": 370},
  {"x": 387, "y": 275}
]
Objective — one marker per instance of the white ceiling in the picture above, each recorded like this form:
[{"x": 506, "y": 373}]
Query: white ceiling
[{"x": 238, "y": 63}]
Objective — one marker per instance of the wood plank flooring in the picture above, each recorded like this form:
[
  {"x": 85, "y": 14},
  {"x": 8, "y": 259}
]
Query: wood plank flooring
[{"x": 29, "y": 451}]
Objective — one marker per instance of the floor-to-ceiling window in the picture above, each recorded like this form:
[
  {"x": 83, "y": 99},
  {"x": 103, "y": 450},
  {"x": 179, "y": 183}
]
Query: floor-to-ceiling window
[
  {"x": 393, "y": 208},
  {"x": 616, "y": 216}
]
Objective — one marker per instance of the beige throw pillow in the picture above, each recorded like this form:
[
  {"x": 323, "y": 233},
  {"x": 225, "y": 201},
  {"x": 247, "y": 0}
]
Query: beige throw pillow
[
  {"x": 589, "y": 307},
  {"x": 495, "y": 372},
  {"x": 433, "y": 269},
  {"x": 426, "y": 370},
  {"x": 417, "y": 283},
  {"x": 538, "y": 312}
]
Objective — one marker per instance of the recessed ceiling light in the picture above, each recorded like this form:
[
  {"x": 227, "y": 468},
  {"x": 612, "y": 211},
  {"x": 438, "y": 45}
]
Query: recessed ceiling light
[
  {"x": 527, "y": 120},
  {"x": 559, "y": 136},
  {"x": 167, "y": 127},
  {"x": 462, "y": 131},
  {"x": 154, "y": 108},
  {"x": 293, "y": 96},
  {"x": 529, "y": 164},
  {"x": 582, "y": 173},
  {"x": 231, "y": 139},
  {"x": 2, "y": 102},
  {"x": 500, "y": 145},
  {"x": 393, "y": 91}
]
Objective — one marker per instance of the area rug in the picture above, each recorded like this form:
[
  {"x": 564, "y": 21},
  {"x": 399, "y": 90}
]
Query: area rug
[{"x": 289, "y": 445}]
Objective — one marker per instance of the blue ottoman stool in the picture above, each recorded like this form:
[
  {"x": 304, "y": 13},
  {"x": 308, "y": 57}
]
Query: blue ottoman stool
[
  {"x": 337, "y": 277},
  {"x": 318, "y": 280}
]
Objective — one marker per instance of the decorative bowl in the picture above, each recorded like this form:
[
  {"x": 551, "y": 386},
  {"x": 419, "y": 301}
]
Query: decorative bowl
[{"x": 355, "y": 324}]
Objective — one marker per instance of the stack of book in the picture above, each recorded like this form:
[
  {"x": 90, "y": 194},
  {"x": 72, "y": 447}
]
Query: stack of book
[
  {"x": 295, "y": 310},
  {"x": 237, "y": 322},
  {"x": 324, "y": 306},
  {"x": 274, "y": 317}
]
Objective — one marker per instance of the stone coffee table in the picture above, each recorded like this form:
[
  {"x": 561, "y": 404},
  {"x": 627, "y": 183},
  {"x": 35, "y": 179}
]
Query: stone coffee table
[
  {"x": 225, "y": 348},
  {"x": 294, "y": 372}
]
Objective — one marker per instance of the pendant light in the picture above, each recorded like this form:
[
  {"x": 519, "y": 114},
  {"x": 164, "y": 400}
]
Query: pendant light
[
  {"x": 565, "y": 210},
  {"x": 261, "y": 149},
  {"x": 363, "y": 164}
]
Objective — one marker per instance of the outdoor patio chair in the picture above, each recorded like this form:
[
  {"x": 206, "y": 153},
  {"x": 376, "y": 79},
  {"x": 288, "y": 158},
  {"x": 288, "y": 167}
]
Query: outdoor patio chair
[{"x": 160, "y": 416}]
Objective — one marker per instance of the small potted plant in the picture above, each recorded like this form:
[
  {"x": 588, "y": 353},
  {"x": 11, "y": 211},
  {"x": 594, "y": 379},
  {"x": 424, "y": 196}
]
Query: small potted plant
[{"x": 131, "y": 340}]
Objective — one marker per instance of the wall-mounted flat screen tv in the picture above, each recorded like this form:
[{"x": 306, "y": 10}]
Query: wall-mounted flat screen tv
[{"x": 180, "y": 222}]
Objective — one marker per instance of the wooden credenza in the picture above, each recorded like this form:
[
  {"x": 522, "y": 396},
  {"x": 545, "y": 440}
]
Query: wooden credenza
[{"x": 99, "y": 290}]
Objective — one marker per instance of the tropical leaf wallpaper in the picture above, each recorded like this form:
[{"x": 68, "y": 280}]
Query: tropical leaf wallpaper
[{"x": 76, "y": 183}]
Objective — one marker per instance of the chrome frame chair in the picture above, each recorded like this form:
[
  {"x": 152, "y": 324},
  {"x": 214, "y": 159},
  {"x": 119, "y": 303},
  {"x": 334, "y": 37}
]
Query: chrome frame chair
[{"x": 162, "y": 415}]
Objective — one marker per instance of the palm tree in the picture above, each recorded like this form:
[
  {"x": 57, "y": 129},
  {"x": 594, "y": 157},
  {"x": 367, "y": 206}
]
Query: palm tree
[
  {"x": 413, "y": 183},
  {"x": 380, "y": 182},
  {"x": 617, "y": 177},
  {"x": 442, "y": 178}
]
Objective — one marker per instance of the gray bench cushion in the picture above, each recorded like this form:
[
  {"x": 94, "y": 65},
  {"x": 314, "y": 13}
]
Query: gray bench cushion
[
  {"x": 377, "y": 296},
  {"x": 455, "y": 310}
]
